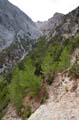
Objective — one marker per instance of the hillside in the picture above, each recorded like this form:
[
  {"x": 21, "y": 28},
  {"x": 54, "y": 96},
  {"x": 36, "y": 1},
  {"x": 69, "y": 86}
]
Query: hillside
[
  {"x": 47, "y": 69},
  {"x": 44, "y": 84}
]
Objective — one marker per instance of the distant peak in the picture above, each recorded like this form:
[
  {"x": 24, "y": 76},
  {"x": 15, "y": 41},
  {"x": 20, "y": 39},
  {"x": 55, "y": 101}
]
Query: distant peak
[{"x": 57, "y": 14}]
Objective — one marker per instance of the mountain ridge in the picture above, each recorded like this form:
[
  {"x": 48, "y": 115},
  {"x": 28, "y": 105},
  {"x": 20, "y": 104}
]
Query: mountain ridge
[{"x": 63, "y": 25}]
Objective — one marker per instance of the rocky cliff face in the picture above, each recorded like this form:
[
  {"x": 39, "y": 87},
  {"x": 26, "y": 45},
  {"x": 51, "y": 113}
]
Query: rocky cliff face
[
  {"x": 51, "y": 24},
  {"x": 69, "y": 26},
  {"x": 61, "y": 25},
  {"x": 13, "y": 22},
  {"x": 17, "y": 33}
]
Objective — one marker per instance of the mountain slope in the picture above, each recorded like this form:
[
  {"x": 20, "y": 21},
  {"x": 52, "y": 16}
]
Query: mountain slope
[
  {"x": 14, "y": 21},
  {"x": 17, "y": 32},
  {"x": 51, "y": 69},
  {"x": 64, "y": 92}
]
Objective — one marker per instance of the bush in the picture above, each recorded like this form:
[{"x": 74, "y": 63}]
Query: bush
[
  {"x": 39, "y": 50},
  {"x": 3, "y": 93},
  {"x": 21, "y": 66},
  {"x": 27, "y": 112},
  {"x": 50, "y": 78},
  {"x": 64, "y": 62},
  {"x": 56, "y": 59},
  {"x": 1, "y": 115},
  {"x": 71, "y": 43},
  {"x": 15, "y": 94},
  {"x": 38, "y": 69},
  {"x": 23, "y": 83},
  {"x": 47, "y": 63},
  {"x": 44, "y": 96}
]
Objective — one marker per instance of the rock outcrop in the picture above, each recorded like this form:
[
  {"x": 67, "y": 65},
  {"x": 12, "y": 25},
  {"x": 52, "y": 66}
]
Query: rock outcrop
[
  {"x": 51, "y": 24},
  {"x": 62, "y": 105},
  {"x": 70, "y": 25},
  {"x": 61, "y": 25}
]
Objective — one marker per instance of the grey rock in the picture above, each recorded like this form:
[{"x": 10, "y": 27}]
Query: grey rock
[
  {"x": 61, "y": 25},
  {"x": 51, "y": 24},
  {"x": 12, "y": 20},
  {"x": 70, "y": 24},
  {"x": 17, "y": 33}
]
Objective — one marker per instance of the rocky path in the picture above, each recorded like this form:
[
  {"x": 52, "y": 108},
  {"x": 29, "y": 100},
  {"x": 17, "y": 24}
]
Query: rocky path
[
  {"x": 62, "y": 104},
  {"x": 66, "y": 109},
  {"x": 11, "y": 113}
]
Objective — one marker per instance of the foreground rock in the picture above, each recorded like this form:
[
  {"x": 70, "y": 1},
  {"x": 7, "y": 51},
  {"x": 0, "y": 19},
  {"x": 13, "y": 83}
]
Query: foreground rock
[{"x": 62, "y": 107}]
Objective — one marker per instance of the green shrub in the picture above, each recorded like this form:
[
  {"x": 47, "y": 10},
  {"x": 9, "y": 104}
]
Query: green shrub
[
  {"x": 3, "y": 93},
  {"x": 15, "y": 94},
  {"x": 23, "y": 83},
  {"x": 44, "y": 96},
  {"x": 55, "y": 51},
  {"x": 47, "y": 63},
  {"x": 39, "y": 50},
  {"x": 38, "y": 69},
  {"x": 26, "y": 113},
  {"x": 50, "y": 78},
  {"x": 1, "y": 115},
  {"x": 21, "y": 66},
  {"x": 64, "y": 62},
  {"x": 71, "y": 43}
]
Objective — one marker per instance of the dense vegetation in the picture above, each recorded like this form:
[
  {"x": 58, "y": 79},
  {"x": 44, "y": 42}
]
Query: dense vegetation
[
  {"x": 3, "y": 95},
  {"x": 26, "y": 78},
  {"x": 24, "y": 82}
]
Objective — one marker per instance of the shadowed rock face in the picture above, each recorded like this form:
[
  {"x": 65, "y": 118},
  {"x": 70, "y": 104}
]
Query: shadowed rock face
[
  {"x": 17, "y": 32},
  {"x": 12, "y": 21}
]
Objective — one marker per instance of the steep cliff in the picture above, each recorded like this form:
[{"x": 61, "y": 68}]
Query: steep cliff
[{"x": 17, "y": 34}]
